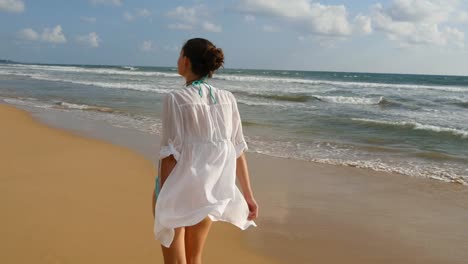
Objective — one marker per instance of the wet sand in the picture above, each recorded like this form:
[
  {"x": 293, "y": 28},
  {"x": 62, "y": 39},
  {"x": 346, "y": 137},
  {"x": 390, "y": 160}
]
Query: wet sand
[
  {"x": 318, "y": 213},
  {"x": 73, "y": 199}
]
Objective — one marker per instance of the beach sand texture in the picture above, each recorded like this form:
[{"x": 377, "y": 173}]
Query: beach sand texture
[
  {"x": 68, "y": 199},
  {"x": 65, "y": 198}
]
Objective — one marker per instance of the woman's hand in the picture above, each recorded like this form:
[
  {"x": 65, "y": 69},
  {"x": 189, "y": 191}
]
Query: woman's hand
[
  {"x": 253, "y": 208},
  {"x": 242, "y": 174}
]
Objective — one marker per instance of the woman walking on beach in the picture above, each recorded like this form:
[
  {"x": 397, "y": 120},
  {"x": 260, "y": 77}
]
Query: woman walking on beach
[{"x": 201, "y": 155}]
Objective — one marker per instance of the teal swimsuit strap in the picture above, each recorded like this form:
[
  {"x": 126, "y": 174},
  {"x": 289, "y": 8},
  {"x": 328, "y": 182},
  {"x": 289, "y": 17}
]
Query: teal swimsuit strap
[
  {"x": 199, "y": 83},
  {"x": 157, "y": 186}
]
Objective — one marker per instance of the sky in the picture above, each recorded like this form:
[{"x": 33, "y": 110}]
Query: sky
[{"x": 392, "y": 36}]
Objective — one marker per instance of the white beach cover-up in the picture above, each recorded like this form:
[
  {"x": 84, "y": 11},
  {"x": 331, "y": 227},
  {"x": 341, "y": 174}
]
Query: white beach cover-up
[{"x": 206, "y": 138}]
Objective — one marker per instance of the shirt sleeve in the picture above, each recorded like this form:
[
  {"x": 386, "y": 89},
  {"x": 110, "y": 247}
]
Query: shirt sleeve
[
  {"x": 237, "y": 136},
  {"x": 171, "y": 140}
]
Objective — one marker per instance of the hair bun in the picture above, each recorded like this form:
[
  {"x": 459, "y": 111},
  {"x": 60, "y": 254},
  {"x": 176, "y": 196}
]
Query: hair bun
[
  {"x": 204, "y": 56},
  {"x": 215, "y": 58}
]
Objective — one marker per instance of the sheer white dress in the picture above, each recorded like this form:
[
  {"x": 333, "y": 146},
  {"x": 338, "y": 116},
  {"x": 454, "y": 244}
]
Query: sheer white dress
[{"x": 202, "y": 129}]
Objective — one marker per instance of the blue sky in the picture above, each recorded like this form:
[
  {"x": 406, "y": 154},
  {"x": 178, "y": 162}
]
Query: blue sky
[{"x": 405, "y": 36}]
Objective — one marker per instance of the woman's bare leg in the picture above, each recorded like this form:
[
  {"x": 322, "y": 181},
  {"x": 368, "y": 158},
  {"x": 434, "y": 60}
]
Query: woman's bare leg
[
  {"x": 195, "y": 237},
  {"x": 175, "y": 254}
]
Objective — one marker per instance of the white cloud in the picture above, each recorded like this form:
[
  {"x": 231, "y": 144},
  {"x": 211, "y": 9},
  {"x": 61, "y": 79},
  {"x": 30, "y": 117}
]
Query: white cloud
[
  {"x": 138, "y": 12},
  {"x": 54, "y": 35},
  {"x": 128, "y": 16},
  {"x": 418, "y": 22},
  {"x": 147, "y": 46},
  {"x": 186, "y": 14},
  {"x": 433, "y": 11},
  {"x": 179, "y": 26},
  {"x": 462, "y": 17},
  {"x": 210, "y": 27},
  {"x": 281, "y": 8},
  {"x": 172, "y": 48},
  {"x": 268, "y": 28},
  {"x": 92, "y": 39},
  {"x": 329, "y": 20},
  {"x": 362, "y": 24},
  {"x": 13, "y": 6},
  {"x": 143, "y": 12},
  {"x": 51, "y": 35},
  {"x": 191, "y": 18},
  {"x": 310, "y": 17},
  {"x": 107, "y": 2},
  {"x": 28, "y": 34},
  {"x": 328, "y": 41},
  {"x": 90, "y": 20},
  {"x": 249, "y": 18},
  {"x": 455, "y": 36}
]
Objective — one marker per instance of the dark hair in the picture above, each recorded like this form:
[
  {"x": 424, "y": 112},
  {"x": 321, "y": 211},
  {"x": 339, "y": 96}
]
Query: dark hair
[{"x": 204, "y": 56}]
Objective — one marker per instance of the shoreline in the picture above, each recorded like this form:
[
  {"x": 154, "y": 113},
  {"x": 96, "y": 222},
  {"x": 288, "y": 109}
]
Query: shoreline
[
  {"x": 410, "y": 162},
  {"x": 309, "y": 211}
]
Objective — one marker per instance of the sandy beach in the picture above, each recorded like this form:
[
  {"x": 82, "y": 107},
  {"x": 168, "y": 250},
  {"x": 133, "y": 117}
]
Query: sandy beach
[{"x": 66, "y": 198}]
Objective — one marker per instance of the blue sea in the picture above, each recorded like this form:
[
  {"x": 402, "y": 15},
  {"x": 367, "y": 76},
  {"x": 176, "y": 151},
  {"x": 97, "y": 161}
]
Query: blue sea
[{"x": 416, "y": 125}]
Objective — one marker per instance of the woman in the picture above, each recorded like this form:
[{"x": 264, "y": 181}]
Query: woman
[{"x": 201, "y": 155}]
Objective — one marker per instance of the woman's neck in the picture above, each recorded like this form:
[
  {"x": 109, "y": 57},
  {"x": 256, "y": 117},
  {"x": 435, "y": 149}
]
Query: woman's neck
[{"x": 191, "y": 78}]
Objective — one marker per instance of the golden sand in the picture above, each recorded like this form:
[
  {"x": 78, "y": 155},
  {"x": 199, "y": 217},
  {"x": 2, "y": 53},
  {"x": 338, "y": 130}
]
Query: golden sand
[{"x": 68, "y": 199}]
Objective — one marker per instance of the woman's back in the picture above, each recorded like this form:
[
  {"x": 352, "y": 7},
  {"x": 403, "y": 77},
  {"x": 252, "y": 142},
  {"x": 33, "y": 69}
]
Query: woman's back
[
  {"x": 202, "y": 119},
  {"x": 204, "y": 133}
]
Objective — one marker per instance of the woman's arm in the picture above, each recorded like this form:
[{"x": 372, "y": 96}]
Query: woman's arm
[
  {"x": 242, "y": 173},
  {"x": 167, "y": 165}
]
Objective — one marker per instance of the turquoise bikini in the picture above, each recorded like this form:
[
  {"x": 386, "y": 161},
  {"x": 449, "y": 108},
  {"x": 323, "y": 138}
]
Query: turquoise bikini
[
  {"x": 199, "y": 83},
  {"x": 157, "y": 187}
]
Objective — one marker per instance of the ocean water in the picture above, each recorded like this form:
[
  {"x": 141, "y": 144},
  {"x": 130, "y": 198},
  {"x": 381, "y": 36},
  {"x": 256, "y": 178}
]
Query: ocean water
[{"x": 415, "y": 125}]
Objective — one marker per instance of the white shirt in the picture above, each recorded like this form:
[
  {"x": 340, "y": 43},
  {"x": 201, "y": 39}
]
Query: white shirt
[{"x": 205, "y": 138}]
